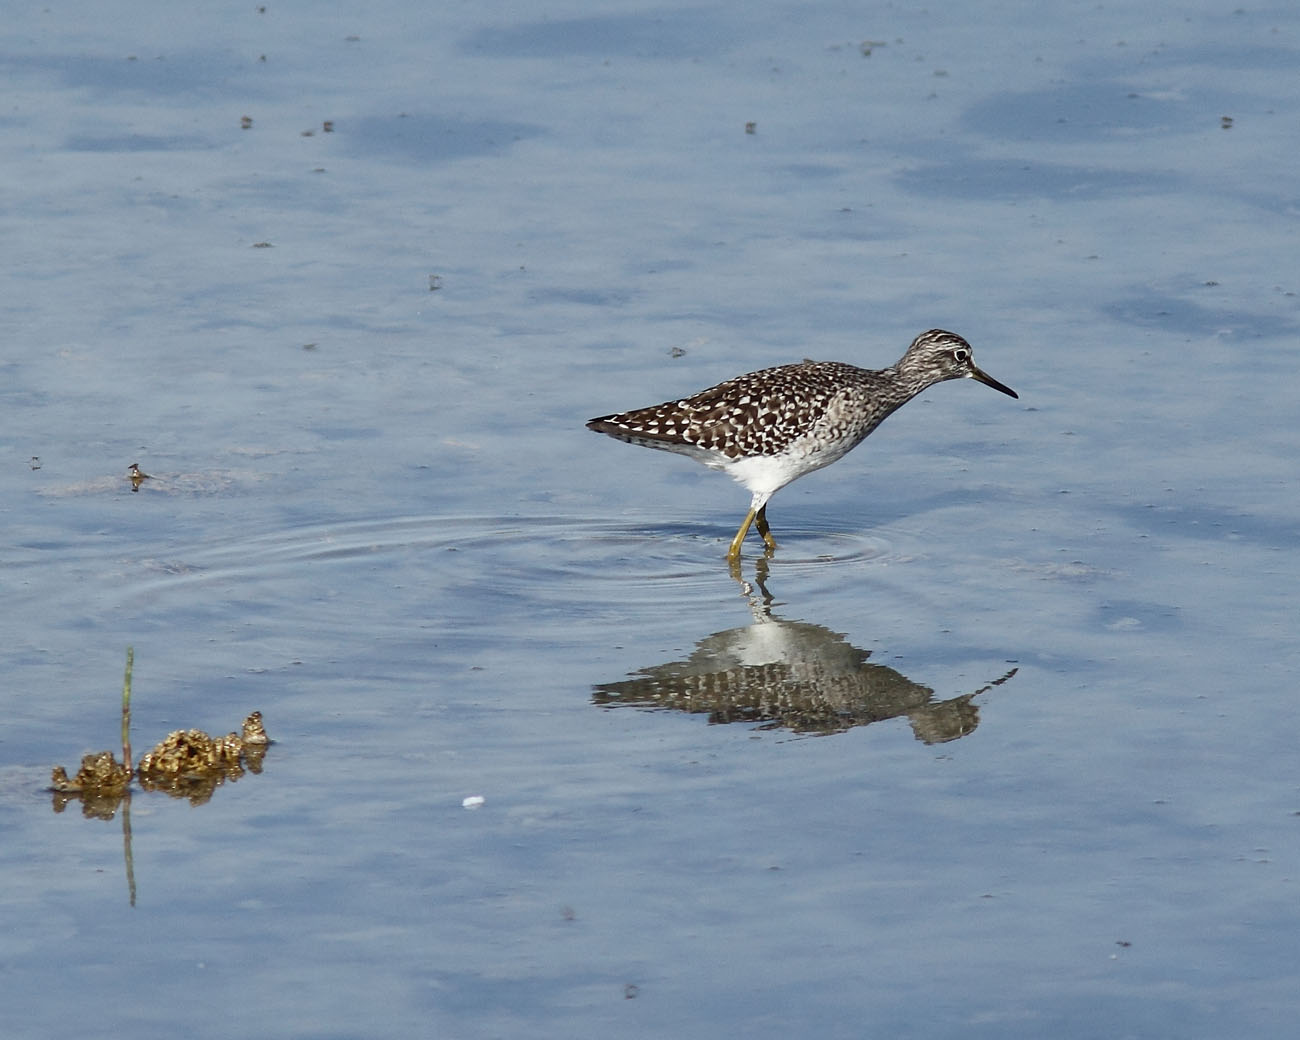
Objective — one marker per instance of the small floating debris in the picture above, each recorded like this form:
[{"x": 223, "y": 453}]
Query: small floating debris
[
  {"x": 136, "y": 476},
  {"x": 474, "y": 801},
  {"x": 254, "y": 732}
]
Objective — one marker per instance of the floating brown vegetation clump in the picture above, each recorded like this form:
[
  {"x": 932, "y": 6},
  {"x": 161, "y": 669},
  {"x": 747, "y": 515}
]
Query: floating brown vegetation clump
[
  {"x": 190, "y": 764},
  {"x": 100, "y": 783},
  {"x": 99, "y": 772}
]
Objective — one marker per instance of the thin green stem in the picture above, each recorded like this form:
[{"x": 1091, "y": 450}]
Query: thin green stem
[{"x": 126, "y": 710}]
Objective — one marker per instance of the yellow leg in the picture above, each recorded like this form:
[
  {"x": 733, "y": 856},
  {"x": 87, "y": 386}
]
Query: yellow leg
[
  {"x": 757, "y": 517},
  {"x": 733, "y": 566},
  {"x": 760, "y": 521},
  {"x": 734, "y": 552}
]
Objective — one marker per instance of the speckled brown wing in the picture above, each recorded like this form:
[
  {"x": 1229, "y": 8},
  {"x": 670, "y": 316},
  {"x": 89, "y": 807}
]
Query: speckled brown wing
[{"x": 756, "y": 414}]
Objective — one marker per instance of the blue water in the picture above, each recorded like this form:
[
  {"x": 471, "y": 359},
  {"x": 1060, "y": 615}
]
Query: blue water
[{"x": 1001, "y": 744}]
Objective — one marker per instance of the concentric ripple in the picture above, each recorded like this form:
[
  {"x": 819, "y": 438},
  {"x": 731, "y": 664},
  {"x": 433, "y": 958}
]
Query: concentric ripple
[{"x": 562, "y": 556}]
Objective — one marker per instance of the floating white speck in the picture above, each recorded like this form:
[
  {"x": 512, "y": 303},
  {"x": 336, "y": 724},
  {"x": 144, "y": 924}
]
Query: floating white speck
[{"x": 473, "y": 801}]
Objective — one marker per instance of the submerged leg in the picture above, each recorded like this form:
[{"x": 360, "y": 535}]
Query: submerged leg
[
  {"x": 760, "y": 521},
  {"x": 734, "y": 552}
]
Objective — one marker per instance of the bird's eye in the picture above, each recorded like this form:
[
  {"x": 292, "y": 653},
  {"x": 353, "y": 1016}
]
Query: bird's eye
[{"x": 960, "y": 355}]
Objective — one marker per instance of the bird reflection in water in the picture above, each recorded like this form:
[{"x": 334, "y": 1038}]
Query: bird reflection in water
[{"x": 792, "y": 675}]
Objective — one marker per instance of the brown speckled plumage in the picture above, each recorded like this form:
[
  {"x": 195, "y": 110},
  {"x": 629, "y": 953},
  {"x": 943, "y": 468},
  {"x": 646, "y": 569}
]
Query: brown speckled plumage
[
  {"x": 771, "y": 427},
  {"x": 762, "y": 413}
]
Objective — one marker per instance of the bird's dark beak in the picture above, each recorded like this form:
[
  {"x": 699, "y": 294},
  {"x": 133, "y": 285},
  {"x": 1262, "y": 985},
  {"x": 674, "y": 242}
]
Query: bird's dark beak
[{"x": 988, "y": 380}]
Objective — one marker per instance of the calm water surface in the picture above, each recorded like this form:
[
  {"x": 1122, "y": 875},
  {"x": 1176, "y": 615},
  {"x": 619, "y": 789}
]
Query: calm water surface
[{"x": 1000, "y": 743}]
